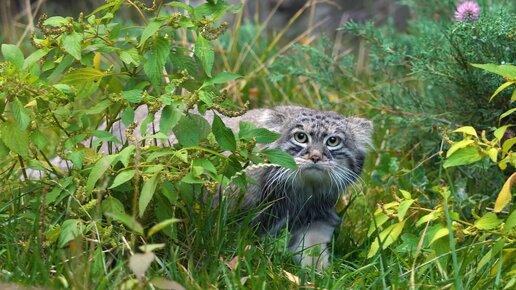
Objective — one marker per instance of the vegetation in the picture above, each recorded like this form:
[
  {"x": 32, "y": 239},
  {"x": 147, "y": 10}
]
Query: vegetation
[{"x": 434, "y": 208}]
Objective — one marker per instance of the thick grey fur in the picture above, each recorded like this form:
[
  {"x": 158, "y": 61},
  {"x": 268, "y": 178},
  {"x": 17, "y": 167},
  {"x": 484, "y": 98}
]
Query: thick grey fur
[{"x": 304, "y": 200}]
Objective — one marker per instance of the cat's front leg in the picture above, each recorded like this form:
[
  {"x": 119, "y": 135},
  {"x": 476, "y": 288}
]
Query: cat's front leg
[{"x": 311, "y": 244}]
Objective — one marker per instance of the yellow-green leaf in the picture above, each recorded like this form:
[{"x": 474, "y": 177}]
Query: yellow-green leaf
[
  {"x": 488, "y": 222},
  {"x": 160, "y": 226},
  {"x": 404, "y": 206},
  {"x": 493, "y": 154},
  {"x": 439, "y": 234},
  {"x": 463, "y": 156},
  {"x": 72, "y": 44},
  {"x": 98, "y": 170},
  {"x": 387, "y": 236},
  {"x": 468, "y": 130},
  {"x": 510, "y": 222},
  {"x": 406, "y": 194},
  {"x": 379, "y": 219},
  {"x": 127, "y": 220},
  {"x": 204, "y": 52},
  {"x": 499, "y": 132},
  {"x": 507, "y": 144},
  {"x": 149, "y": 187},
  {"x": 507, "y": 113},
  {"x": 505, "y": 195},
  {"x": 458, "y": 145},
  {"x": 123, "y": 177},
  {"x": 501, "y": 88}
]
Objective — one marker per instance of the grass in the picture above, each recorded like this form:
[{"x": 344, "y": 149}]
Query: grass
[{"x": 215, "y": 248}]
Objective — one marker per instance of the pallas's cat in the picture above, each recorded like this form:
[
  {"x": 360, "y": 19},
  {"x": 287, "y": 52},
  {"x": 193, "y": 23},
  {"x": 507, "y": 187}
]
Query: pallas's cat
[{"x": 329, "y": 150}]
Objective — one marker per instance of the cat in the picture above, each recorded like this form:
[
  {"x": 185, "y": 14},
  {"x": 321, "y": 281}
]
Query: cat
[{"x": 329, "y": 151}]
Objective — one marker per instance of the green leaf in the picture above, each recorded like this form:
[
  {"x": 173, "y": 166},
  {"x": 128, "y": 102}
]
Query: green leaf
[
  {"x": 435, "y": 214},
  {"x": 488, "y": 222},
  {"x": 504, "y": 70},
  {"x": 98, "y": 108},
  {"x": 155, "y": 58},
  {"x": 387, "y": 236},
  {"x": 510, "y": 222},
  {"x": 70, "y": 230},
  {"x": 463, "y": 156},
  {"x": 72, "y": 44},
  {"x": 130, "y": 56},
  {"x": 145, "y": 124},
  {"x": 35, "y": 57},
  {"x": 3, "y": 149},
  {"x": 56, "y": 21},
  {"x": 149, "y": 30},
  {"x": 127, "y": 116},
  {"x": 127, "y": 220},
  {"x": 223, "y": 134},
  {"x": 204, "y": 52},
  {"x": 13, "y": 54},
  {"x": 122, "y": 178},
  {"x": 85, "y": 74},
  {"x": 263, "y": 136},
  {"x": 125, "y": 154},
  {"x": 184, "y": 6},
  {"x": 160, "y": 226},
  {"x": 133, "y": 96},
  {"x": 20, "y": 114},
  {"x": 280, "y": 158},
  {"x": 61, "y": 67},
  {"x": 98, "y": 170},
  {"x": 206, "y": 97},
  {"x": 106, "y": 136},
  {"x": 170, "y": 117},
  {"x": 77, "y": 158},
  {"x": 149, "y": 187},
  {"x": 112, "y": 205},
  {"x": 211, "y": 11},
  {"x": 221, "y": 78},
  {"x": 191, "y": 129},
  {"x": 85, "y": 80},
  {"x": 16, "y": 139},
  {"x": 39, "y": 139}
]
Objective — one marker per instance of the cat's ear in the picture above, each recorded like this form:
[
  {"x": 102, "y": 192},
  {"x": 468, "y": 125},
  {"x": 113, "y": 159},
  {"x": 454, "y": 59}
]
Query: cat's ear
[
  {"x": 362, "y": 130},
  {"x": 274, "y": 118}
]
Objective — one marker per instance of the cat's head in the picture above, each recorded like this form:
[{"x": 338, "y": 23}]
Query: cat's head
[{"x": 327, "y": 147}]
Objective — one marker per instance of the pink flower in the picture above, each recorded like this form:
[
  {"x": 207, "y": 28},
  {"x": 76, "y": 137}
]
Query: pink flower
[{"x": 467, "y": 11}]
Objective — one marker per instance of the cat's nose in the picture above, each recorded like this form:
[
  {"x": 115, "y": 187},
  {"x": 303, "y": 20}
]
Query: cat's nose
[{"x": 315, "y": 156}]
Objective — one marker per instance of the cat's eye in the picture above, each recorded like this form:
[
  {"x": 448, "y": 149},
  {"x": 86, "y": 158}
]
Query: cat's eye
[
  {"x": 333, "y": 141},
  {"x": 300, "y": 137}
]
